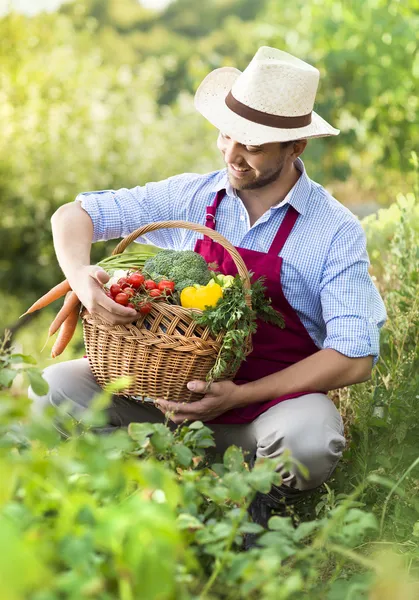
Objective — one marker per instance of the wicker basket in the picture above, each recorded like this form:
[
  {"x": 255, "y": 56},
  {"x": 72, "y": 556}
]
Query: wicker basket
[{"x": 164, "y": 349}]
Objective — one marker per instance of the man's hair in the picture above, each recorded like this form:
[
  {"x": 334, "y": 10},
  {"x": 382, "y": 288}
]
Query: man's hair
[{"x": 287, "y": 144}]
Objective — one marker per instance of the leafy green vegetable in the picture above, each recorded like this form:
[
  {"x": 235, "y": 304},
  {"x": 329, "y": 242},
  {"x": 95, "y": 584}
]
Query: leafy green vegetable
[{"x": 232, "y": 315}]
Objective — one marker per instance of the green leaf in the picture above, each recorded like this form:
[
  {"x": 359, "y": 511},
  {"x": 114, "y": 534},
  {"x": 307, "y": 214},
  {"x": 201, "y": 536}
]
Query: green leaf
[
  {"x": 162, "y": 438},
  {"x": 6, "y": 377},
  {"x": 282, "y": 524},
  {"x": 38, "y": 383},
  {"x": 233, "y": 459},
  {"x": 140, "y": 431},
  {"x": 182, "y": 454},
  {"x": 251, "y": 528},
  {"x": 306, "y": 529},
  {"x": 22, "y": 358},
  {"x": 261, "y": 481},
  {"x": 118, "y": 385},
  {"x": 187, "y": 521},
  {"x": 196, "y": 425}
]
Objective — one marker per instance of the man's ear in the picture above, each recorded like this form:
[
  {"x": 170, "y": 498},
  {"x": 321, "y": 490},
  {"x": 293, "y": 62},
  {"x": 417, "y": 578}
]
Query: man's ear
[{"x": 298, "y": 148}]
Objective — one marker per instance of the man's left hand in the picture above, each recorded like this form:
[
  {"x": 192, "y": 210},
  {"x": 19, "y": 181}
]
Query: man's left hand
[{"x": 219, "y": 398}]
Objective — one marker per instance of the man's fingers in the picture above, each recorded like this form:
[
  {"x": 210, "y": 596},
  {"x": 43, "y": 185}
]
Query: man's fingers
[
  {"x": 113, "y": 308},
  {"x": 201, "y": 387},
  {"x": 175, "y": 407},
  {"x": 177, "y": 412},
  {"x": 101, "y": 275}
]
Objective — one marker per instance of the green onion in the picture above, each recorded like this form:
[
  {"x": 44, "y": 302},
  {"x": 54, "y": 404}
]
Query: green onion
[{"x": 133, "y": 259}]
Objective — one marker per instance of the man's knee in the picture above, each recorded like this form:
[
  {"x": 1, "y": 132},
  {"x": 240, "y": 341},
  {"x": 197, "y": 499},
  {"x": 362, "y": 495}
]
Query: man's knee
[
  {"x": 40, "y": 403},
  {"x": 319, "y": 452},
  {"x": 70, "y": 383},
  {"x": 317, "y": 448}
]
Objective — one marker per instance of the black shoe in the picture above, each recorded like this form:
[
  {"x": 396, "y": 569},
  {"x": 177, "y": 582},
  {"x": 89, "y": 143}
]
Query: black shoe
[
  {"x": 261, "y": 509},
  {"x": 279, "y": 501}
]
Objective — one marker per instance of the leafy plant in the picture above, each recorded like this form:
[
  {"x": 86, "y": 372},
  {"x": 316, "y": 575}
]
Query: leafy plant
[
  {"x": 239, "y": 321},
  {"x": 12, "y": 364}
]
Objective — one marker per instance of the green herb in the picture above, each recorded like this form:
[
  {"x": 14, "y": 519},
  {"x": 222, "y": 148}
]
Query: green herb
[{"x": 232, "y": 315}]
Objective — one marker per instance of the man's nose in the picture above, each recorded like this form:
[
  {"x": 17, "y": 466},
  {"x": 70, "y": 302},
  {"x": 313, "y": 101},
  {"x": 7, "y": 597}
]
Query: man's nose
[{"x": 232, "y": 152}]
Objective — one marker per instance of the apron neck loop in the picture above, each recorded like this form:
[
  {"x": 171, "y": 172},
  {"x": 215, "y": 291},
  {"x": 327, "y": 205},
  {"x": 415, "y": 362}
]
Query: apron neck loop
[
  {"x": 212, "y": 209},
  {"x": 284, "y": 230}
]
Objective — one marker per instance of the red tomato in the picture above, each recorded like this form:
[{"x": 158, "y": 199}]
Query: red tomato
[
  {"x": 145, "y": 308},
  {"x": 149, "y": 284},
  {"x": 129, "y": 292},
  {"x": 130, "y": 305},
  {"x": 122, "y": 298},
  {"x": 136, "y": 280},
  {"x": 154, "y": 293},
  {"x": 115, "y": 289},
  {"x": 166, "y": 286},
  {"x": 123, "y": 282}
]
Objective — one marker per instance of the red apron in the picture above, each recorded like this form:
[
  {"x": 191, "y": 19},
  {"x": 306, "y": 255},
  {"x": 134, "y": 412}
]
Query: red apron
[{"x": 274, "y": 349}]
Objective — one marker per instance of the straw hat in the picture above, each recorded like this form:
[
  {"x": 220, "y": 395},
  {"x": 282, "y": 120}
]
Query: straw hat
[{"x": 270, "y": 101}]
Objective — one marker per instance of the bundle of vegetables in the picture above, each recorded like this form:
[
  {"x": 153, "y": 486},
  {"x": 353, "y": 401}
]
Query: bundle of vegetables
[
  {"x": 135, "y": 291},
  {"x": 220, "y": 297},
  {"x": 179, "y": 277},
  {"x": 67, "y": 318}
]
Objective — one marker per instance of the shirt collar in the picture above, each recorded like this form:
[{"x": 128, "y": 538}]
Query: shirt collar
[{"x": 297, "y": 196}]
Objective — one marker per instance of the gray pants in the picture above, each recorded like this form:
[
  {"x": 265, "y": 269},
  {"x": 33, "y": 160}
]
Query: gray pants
[{"x": 309, "y": 426}]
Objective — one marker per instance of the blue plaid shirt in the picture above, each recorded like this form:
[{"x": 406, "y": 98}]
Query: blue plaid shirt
[{"x": 325, "y": 262}]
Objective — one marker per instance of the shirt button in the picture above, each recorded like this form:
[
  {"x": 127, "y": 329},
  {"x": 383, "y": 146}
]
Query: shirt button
[{"x": 241, "y": 217}]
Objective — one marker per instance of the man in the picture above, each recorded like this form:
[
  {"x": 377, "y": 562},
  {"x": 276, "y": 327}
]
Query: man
[{"x": 287, "y": 228}]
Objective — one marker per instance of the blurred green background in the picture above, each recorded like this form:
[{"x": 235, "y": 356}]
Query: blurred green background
[{"x": 98, "y": 94}]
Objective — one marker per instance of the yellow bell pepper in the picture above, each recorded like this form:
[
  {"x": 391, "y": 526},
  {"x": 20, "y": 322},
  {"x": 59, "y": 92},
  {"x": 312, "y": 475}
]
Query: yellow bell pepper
[{"x": 201, "y": 297}]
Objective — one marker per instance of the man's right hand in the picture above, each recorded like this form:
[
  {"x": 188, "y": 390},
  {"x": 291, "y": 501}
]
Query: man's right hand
[{"x": 88, "y": 285}]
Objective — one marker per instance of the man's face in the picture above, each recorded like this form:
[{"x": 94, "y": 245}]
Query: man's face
[{"x": 252, "y": 167}]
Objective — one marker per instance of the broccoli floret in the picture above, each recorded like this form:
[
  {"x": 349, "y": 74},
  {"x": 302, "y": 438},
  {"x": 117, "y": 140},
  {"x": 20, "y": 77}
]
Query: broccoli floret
[{"x": 184, "y": 267}]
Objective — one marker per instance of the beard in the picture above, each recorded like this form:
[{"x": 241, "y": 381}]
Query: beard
[{"x": 254, "y": 182}]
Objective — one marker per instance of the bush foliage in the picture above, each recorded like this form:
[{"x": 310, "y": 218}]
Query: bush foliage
[{"x": 151, "y": 513}]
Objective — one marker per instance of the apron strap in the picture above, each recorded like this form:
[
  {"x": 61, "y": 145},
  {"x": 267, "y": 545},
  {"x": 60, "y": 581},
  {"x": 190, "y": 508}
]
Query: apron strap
[
  {"x": 284, "y": 230},
  {"x": 212, "y": 209}
]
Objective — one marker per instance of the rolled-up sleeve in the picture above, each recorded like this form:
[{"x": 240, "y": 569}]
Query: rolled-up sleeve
[
  {"x": 117, "y": 213},
  {"x": 353, "y": 310}
]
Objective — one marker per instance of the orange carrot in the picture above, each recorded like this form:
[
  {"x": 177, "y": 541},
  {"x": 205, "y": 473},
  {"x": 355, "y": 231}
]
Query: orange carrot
[
  {"x": 66, "y": 332},
  {"x": 56, "y": 292},
  {"x": 70, "y": 303}
]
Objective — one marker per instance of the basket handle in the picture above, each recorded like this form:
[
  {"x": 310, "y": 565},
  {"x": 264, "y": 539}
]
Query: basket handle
[{"x": 214, "y": 235}]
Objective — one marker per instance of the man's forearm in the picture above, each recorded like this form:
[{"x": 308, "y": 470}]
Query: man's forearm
[
  {"x": 72, "y": 230},
  {"x": 325, "y": 370}
]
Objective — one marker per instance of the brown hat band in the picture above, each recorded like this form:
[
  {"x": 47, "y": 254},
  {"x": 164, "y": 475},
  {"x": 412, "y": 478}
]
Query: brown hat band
[{"x": 263, "y": 118}]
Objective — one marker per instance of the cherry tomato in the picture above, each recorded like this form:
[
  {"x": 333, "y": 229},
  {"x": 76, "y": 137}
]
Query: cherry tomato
[
  {"x": 154, "y": 293},
  {"x": 115, "y": 289},
  {"x": 130, "y": 305},
  {"x": 149, "y": 284},
  {"x": 136, "y": 280},
  {"x": 122, "y": 281},
  {"x": 129, "y": 292},
  {"x": 145, "y": 308},
  {"x": 166, "y": 286},
  {"x": 108, "y": 293},
  {"x": 122, "y": 298}
]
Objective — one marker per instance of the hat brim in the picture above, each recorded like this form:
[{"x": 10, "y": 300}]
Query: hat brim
[{"x": 210, "y": 102}]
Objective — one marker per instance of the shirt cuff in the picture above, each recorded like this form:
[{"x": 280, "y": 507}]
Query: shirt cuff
[{"x": 354, "y": 337}]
